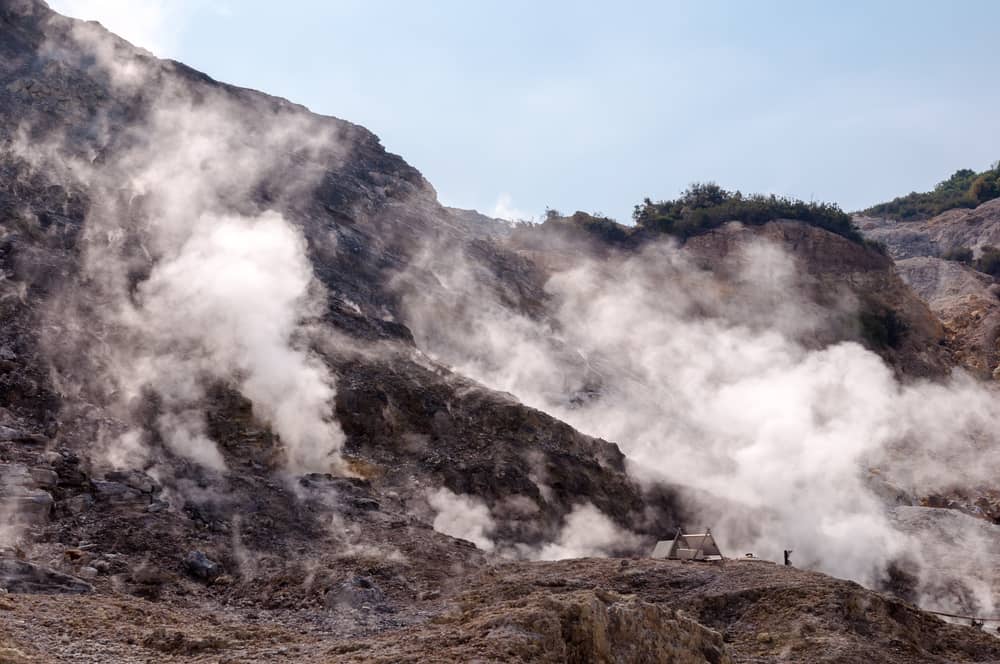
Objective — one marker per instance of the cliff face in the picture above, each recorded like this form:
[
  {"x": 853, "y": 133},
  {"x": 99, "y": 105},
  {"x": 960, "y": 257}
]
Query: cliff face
[
  {"x": 966, "y": 302},
  {"x": 964, "y": 299}
]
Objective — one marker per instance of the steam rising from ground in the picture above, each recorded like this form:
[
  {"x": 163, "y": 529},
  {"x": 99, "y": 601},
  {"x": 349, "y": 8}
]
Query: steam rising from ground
[
  {"x": 219, "y": 307},
  {"x": 586, "y": 532},
  {"x": 718, "y": 386},
  {"x": 504, "y": 209},
  {"x": 188, "y": 278},
  {"x": 465, "y": 517}
]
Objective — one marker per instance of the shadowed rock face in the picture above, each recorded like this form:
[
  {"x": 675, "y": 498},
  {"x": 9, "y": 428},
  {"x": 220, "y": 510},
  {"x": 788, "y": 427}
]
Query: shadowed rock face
[
  {"x": 834, "y": 268},
  {"x": 17, "y": 576},
  {"x": 854, "y": 289}
]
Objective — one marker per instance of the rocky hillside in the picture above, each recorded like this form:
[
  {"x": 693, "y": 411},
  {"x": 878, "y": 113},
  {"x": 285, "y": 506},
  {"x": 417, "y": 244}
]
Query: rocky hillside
[
  {"x": 952, "y": 229},
  {"x": 854, "y": 288},
  {"x": 224, "y": 438},
  {"x": 884, "y": 313},
  {"x": 965, "y": 300},
  {"x": 367, "y": 215},
  {"x": 409, "y": 426}
]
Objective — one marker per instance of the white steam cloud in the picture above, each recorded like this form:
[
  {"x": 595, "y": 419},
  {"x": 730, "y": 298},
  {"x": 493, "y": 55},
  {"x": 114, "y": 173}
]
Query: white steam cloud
[
  {"x": 229, "y": 304},
  {"x": 717, "y": 385},
  {"x": 464, "y": 517},
  {"x": 505, "y": 209},
  {"x": 587, "y": 532},
  {"x": 191, "y": 281}
]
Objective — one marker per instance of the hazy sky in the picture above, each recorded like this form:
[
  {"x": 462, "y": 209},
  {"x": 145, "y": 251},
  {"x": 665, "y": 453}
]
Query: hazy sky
[{"x": 511, "y": 106}]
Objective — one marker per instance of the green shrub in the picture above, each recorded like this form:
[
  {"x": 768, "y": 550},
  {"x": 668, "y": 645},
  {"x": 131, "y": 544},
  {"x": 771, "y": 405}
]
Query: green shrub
[
  {"x": 989, "y": 261},
  {"x": 964, "y": 189},
  {"x": 985, "y": 187},
  {"x": 876, "y": 246},
  {"x": 603, "y": 227},
  {"x": 884, "y": 329},
  {"x": 704, "y": 206},
  {"x": 958, "y": 254},
  {"x": 596, "y": 224}
]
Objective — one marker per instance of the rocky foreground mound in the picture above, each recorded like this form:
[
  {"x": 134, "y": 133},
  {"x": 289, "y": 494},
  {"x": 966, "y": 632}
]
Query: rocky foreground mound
[{"x": 590, "y": 610}]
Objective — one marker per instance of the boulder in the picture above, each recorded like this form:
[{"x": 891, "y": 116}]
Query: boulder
[
  {"x": 78, "y": 504},
  {"x": 51, "y": 458},
  {"x": 142, "y": 483},
  {"x": 44, "y": 478},
  {"x": 31, "y": 506},
  {"x": 148, "y": 575},
  {"x": 18, "y": 576},
  {"x": 105, "y": 489},
  {"x": 201, "y": 567},
  {"x": 355, "y": 593},
  {"x": 67, "y": 466},
  {"x": 115, "y": 492},
  {"x": 13, "y": 474},
  {"x": 365, "y": 504},
  {"x": 10, "y": 434},
  {"x": 134, "y": 479}
]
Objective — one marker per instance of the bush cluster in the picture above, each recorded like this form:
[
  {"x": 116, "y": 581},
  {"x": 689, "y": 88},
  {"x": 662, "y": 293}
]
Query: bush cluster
[
  {"x": 704, "y": 206},
  {"x": 883, "y": 329},
  {"x": 988, "y": 261},
  {"x": 959, "y": 255},
  {"x": 596, "y": 224},
  {"x": 964, "y": 189}
]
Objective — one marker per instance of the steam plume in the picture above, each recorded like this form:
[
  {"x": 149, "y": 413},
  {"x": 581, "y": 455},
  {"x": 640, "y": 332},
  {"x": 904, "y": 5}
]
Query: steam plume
[
  {"x": 189, "y": 274},
  {"x": 719, "y": 386}
]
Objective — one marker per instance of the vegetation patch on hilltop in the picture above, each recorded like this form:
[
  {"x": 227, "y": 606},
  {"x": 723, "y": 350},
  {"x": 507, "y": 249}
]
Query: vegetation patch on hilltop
[
  {"x": 964, "y": 189},
  {"x": 703, "y": 207}
]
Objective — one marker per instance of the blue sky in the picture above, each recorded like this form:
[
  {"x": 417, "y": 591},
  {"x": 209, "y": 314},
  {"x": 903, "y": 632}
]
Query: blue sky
[{"x": 514, "y": 106}]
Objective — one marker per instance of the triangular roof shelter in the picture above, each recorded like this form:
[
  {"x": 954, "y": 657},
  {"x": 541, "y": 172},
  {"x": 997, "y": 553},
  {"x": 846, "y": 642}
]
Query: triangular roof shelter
[{"x": 689, "y": 546}]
